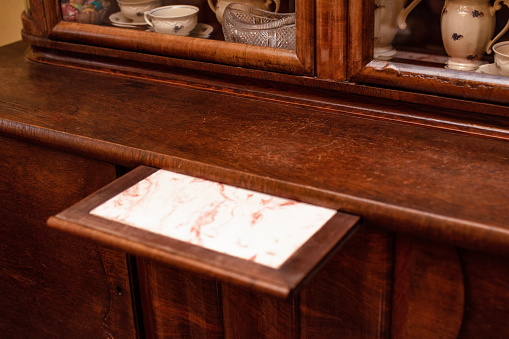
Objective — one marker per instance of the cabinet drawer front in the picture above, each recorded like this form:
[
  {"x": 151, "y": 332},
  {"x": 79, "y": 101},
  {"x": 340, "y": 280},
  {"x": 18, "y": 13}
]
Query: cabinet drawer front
[{"x": 235, "y": 235}]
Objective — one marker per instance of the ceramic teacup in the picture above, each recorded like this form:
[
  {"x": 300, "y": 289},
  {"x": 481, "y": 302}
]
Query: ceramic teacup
[
  {"x": 502, "y": 57},
  {"x": 175, "y": 19},
  {"x": 134, "y": 9}
]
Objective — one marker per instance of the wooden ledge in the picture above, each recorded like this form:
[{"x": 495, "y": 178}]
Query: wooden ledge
[{"x": 444, "y": 184}]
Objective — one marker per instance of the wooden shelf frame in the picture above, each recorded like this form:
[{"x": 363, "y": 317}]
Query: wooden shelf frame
[
  {"x": 300, "y": 61},
  {"x": 363, "y": 69}
]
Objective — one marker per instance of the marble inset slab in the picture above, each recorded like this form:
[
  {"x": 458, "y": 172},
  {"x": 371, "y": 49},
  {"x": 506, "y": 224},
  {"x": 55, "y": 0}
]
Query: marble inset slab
[{"x": 231, "y": 220}]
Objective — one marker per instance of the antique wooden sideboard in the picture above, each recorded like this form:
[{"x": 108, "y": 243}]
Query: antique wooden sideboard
[{"x": 415, "y": 156}]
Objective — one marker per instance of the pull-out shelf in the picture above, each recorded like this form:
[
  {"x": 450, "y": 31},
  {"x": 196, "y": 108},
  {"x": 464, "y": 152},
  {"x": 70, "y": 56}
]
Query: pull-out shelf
[{"x": 255, "y": 240}]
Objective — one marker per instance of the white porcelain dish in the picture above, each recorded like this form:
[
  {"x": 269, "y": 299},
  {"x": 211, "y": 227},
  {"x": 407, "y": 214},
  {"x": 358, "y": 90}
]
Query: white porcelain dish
[
  {"x": 490, "y": 69},
  {"x": 120, "y": 20},
  {"x": 201, "y": 31}
]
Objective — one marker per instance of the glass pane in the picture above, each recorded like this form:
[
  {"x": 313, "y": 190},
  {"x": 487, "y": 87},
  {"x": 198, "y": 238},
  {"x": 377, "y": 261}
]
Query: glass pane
[
  {"x": 452, "y": 34},
  {"x": 192, "y": 18}
]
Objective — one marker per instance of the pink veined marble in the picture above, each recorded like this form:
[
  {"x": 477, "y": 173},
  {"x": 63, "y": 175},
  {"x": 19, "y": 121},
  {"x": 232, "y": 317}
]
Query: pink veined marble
[{"x": 239, "y": 222}]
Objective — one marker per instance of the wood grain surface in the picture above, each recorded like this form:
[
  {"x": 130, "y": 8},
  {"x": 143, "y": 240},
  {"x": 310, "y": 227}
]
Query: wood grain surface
[
  {"x": 435, "y": 181},
  {"x": 436, "y": 175},
  {"x": 281, "y": 281},
  {"x": 53, "y": 284},
  {"x": 429, "y": 290},
  {"x": 351, "y": 296}
]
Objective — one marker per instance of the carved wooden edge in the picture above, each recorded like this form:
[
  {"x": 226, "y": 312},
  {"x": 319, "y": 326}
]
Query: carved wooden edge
[
  {"x": 161, "y": 68},
  {"x": 273, "y": 59},
  {"x": 279, "y": 282},
  {"x": 444, "y": 82}
]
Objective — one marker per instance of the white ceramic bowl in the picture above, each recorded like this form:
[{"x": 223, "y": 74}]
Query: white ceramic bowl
[
  {"x": 501, "y": 50},
  {"x": 175, "y": 19},
  {"x": 134, "y": 9}
]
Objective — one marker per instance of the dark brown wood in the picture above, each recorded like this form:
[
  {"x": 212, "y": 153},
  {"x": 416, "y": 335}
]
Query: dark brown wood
[
  {"x": 334, "y": 42},
  {"x": 300, "y": 61},
  {"x": 52, "y": 13},
  {"x": 55, "y": 285},
  {"x": 360, "y": 35},
  {"x": 305, "y": 36},
  {"x": 429, "y": 290},
  {"x": 272, "y": 59},
  {"x": 365, "y": 165},
  {"x": 177, "y": 304},
  {"x": 35, "y": 23},
  {"x": 383, "y": 190},
  {"x": 351, "y": 296},
  {"x": 389, "y": 156},
  {"x": 413, "y": 76},
  {"x": 248, "y": 315},
  {"x": 164, "y": 68},
  {"x": 439, "y": 81},
  {"x": 487, "y": 295},
  {"x": 331, "y": 42},
  {"x": 30, "y": 26}
]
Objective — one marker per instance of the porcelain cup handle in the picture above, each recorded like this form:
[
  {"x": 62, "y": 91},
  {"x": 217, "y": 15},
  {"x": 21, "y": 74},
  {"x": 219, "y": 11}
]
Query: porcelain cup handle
[
  {"x": 278, "y": 3},
  {"x": 404, "y": 13},
  {"x": 211, "y": 5},
  {"x": 496, "y": 6},
  {"x": 146, "y": 15}
]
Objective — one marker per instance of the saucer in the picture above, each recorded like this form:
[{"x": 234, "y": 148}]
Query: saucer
[
  {"x": 490, "y": 69},
  {"x": 118, "y": 19},
  {"x": 202, "y": 31},
  {"x": 384, "y": 54}
]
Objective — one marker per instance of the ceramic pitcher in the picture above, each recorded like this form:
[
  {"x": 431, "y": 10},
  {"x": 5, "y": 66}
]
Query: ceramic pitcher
[
  {"x": 220, "y": 5},
  {"x": 467, "y": 28},
  {"x": 390, "y": 15}
]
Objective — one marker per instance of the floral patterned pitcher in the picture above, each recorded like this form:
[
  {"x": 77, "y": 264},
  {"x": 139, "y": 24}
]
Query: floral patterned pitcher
[
  {"x": 467, "y": 27},
  {"x": 390, "y": 15}
]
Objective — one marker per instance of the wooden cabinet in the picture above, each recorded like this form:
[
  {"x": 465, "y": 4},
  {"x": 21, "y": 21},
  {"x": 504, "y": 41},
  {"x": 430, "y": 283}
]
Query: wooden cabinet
[
  {"x": 349, "y": 297},
  {"x": 54, "y": 284},
  {"x": 416, "y": 151},
  {"x": 334, "y": 51}
]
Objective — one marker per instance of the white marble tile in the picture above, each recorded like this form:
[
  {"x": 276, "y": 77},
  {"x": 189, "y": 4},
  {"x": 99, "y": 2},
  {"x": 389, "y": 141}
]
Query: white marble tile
[{"x": 242, "y": 223}]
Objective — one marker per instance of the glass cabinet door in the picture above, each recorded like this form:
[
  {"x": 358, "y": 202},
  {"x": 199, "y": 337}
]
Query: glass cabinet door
[
  {"x": 272, "y": 35},
  {"x": 447, "y": 47}
]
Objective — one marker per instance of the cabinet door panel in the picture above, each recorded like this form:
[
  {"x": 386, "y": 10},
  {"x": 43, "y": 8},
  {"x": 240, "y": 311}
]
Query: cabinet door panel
[
  {"x": 53, "y": 284},
  {"x": 178, "y": 304},
  {"x": 350, "y": 296},
  {"x": 487, "y": 295}
]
